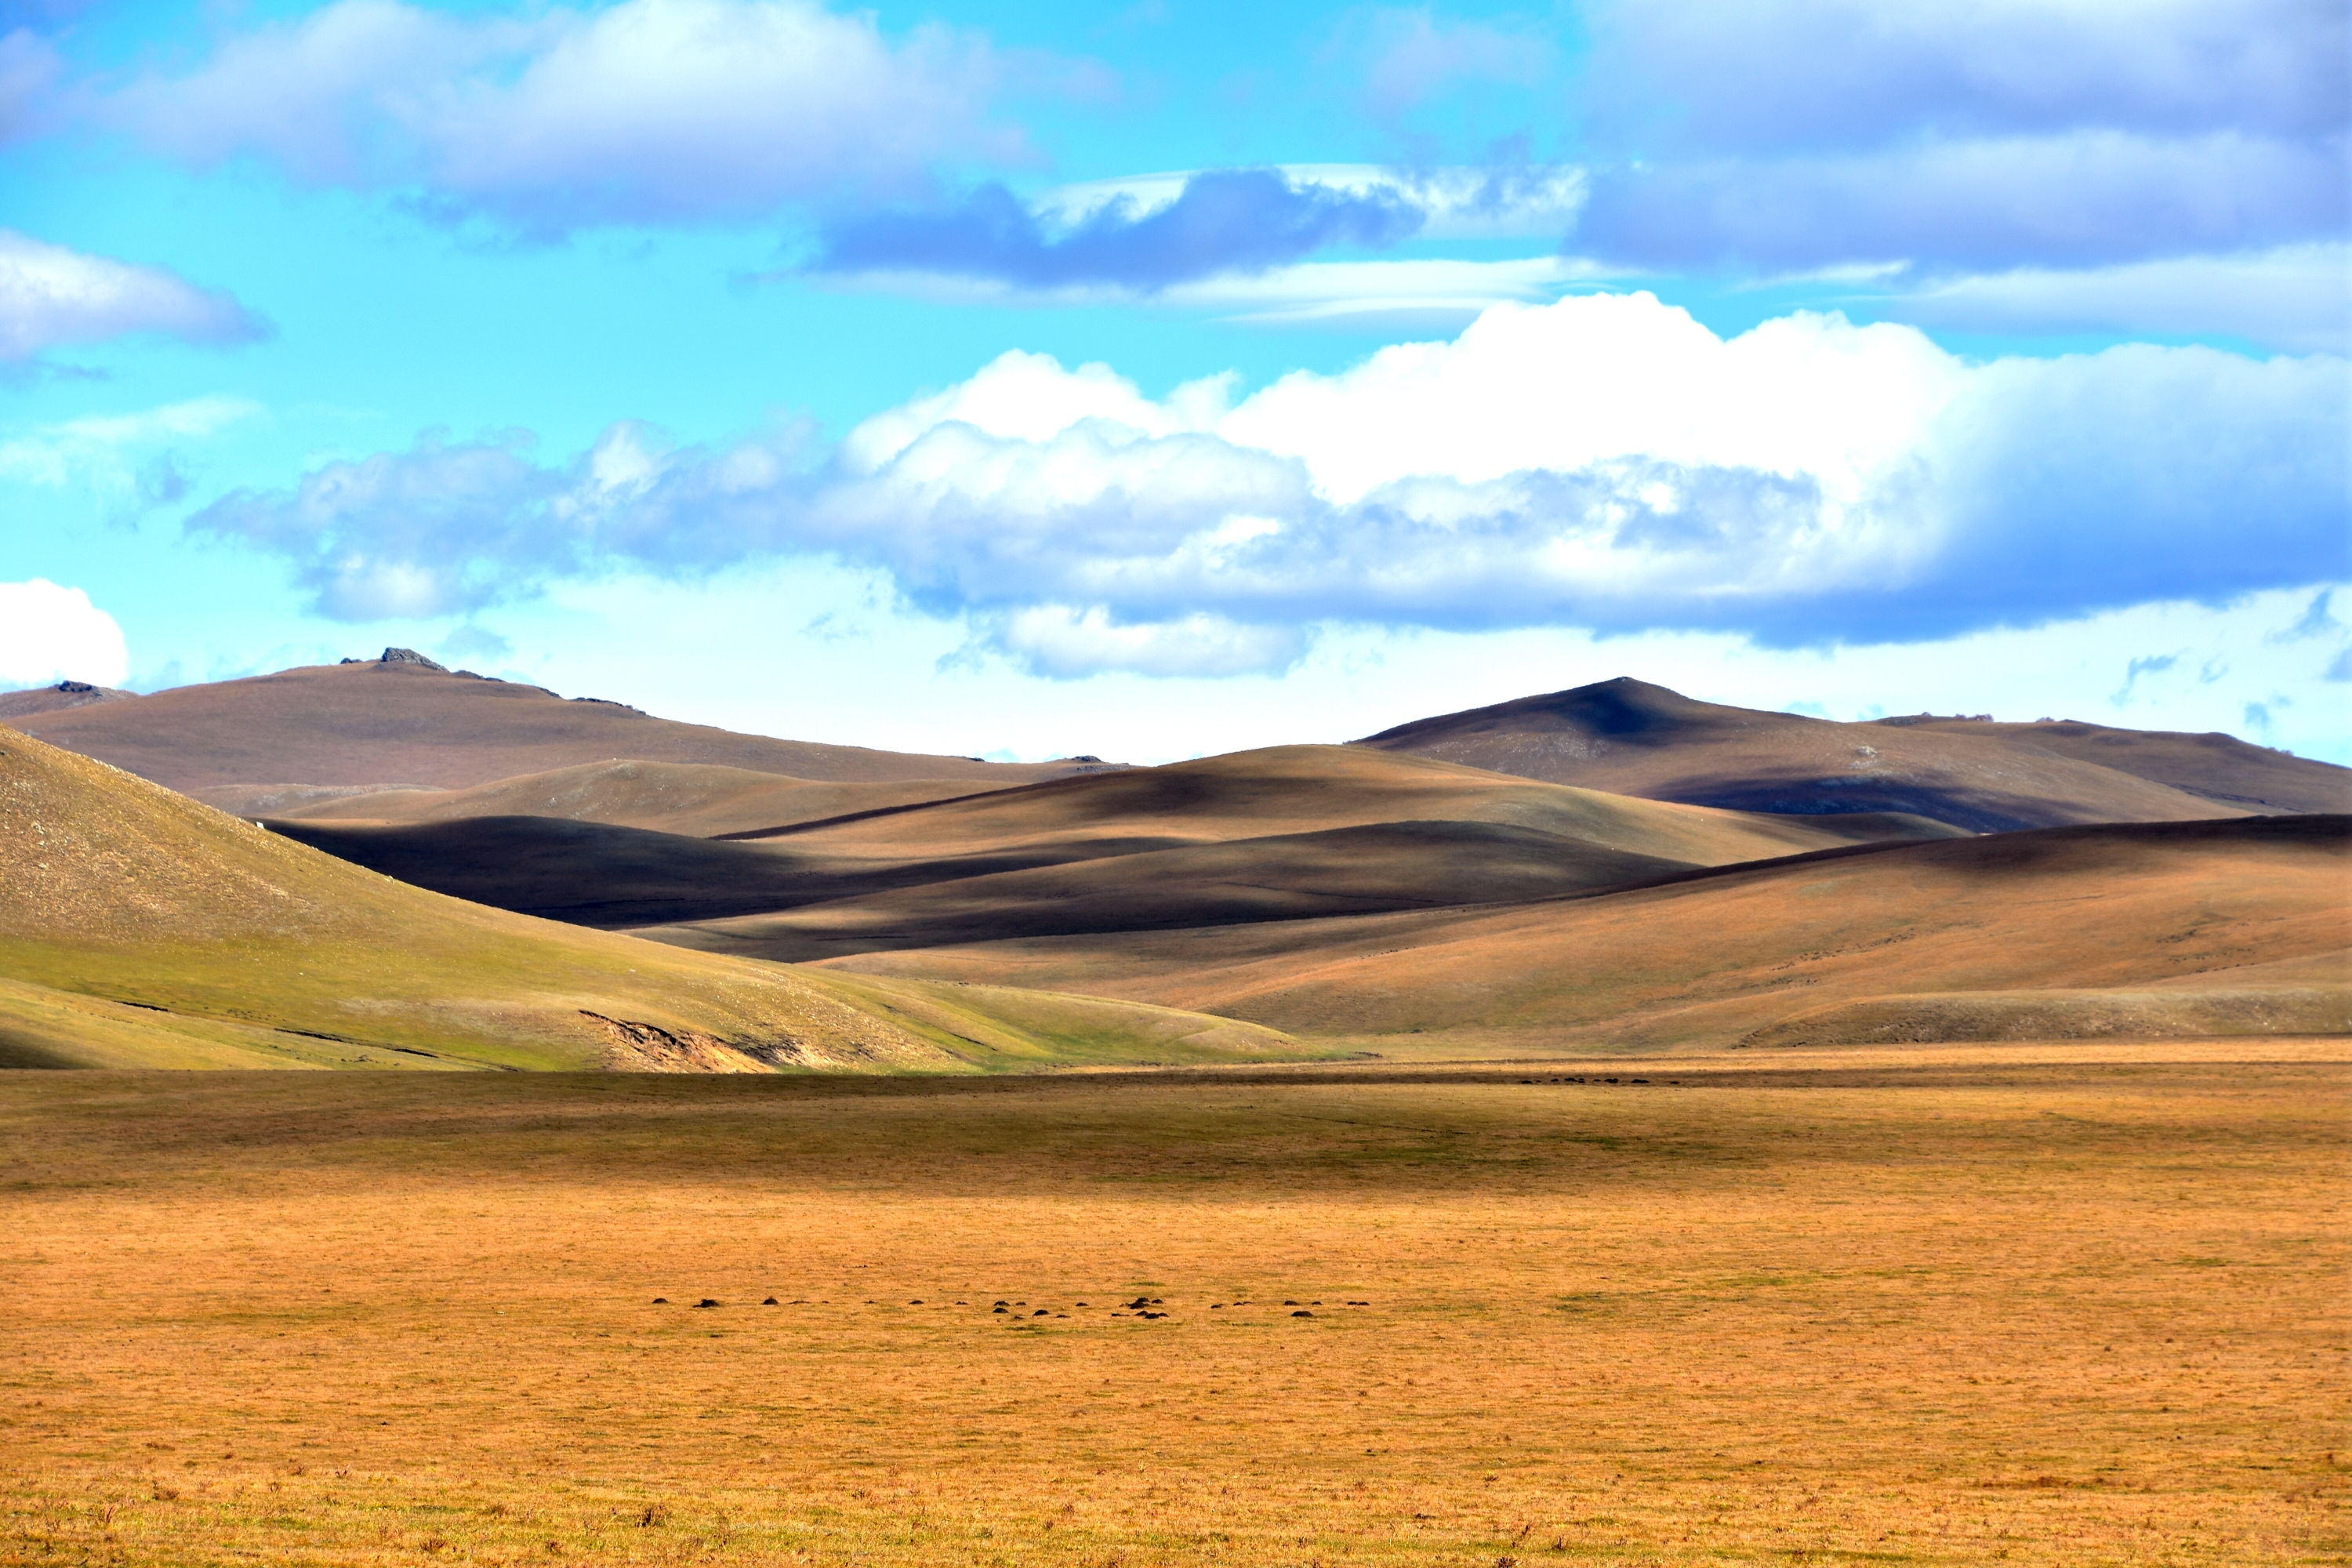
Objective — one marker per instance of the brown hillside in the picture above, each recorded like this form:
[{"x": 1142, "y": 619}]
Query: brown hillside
[
  {"x": 141, "y": 928},
  {"x": 2218, "y": 767},
  {"x": 55, "y": 698},
  {"x": 692, "y": 798},
  {"x": 383, "y": 724},
  {"x": 1281, "y": 877},
  {"x": 1312, "y": 789},
  {"x": 1632, "y": 738},
  {"x": 1270, "y": 835},
  {"x": 2246, "y": 918}
]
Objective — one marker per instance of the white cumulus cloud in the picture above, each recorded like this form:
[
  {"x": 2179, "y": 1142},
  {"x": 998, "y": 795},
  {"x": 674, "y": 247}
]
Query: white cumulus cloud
[
  {"x": 1604, "y": 461},
  {"x": 51, "y": 297},
  {"x": 48, "y": 633}
]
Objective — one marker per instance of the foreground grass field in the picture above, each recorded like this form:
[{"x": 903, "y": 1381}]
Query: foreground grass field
[{"x": 2070, "y": 1304}]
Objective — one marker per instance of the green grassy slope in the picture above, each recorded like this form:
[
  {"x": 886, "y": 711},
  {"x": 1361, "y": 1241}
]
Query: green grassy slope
[{"x": 138, "y": 927}]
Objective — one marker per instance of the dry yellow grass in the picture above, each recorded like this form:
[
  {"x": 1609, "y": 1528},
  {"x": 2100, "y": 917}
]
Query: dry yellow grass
[
  {"x": 2220, "y": 925},
  {"x": 2039, "y": 1305}
]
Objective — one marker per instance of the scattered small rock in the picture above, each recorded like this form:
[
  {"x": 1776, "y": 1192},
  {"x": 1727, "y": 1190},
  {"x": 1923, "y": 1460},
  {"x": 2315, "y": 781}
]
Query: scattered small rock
[
  {"x": 1302, "y": 1312},
  {"x": 661, "y": 1300},
  {"x": 769, "y": 1302},
  {"x": 707, "y": 1301}
]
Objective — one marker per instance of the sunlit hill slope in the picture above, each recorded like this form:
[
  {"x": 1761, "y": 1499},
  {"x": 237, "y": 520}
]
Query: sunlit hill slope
[
  {"x": 398, "y": 723},
  {"x": 1630, "y": 737},
  {"x": 2225, "y": 927},
  {"x": 141, "y": 928},
  {"x": 1277, "y": 834}
]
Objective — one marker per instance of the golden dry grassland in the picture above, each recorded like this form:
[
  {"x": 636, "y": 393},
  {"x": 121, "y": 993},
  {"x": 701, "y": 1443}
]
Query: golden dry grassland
[{"x": 2071, "y": 1304}]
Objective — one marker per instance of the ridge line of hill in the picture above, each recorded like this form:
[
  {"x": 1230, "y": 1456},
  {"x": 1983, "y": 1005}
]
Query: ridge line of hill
[{"x": 789, "y": 828}]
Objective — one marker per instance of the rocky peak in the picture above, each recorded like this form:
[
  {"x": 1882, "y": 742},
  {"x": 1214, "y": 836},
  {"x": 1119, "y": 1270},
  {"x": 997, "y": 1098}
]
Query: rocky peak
[{"x": 401, "y": 655}]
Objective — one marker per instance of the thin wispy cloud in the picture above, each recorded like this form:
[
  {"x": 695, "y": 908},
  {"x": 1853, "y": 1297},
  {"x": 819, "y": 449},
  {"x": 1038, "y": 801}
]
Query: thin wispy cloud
[
  {"x": 52, "y": 297},
  {"x": 649, "y": 111},
  {"x": 1412, "y": 55},
  {"x": 1803, "y": 134}
]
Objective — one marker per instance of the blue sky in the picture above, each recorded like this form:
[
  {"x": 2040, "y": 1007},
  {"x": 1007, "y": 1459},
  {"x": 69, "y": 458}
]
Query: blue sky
[{"x": 1191, "y": 377}]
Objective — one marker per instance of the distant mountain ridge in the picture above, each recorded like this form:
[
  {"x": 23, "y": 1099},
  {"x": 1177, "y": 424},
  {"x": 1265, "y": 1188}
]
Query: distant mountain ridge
[
  {"x": 404, "y": 720},
  {"x": 1630, "y": 737},
  {"x": 55, "y": 698}
]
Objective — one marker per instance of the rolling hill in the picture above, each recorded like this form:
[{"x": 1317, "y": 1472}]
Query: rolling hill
[
  {"x": 141, "y": 928},
  {"x": 1278, "y": 834},
  {"x": 57, "y": 699},
  {"x": 1629, "y": 737},
  {"x": 2219, "y": 768},
  {"x": 399, "y": 721},
  {"x": 2228, "y": 926},
  {"x": 696, "y": 799}
]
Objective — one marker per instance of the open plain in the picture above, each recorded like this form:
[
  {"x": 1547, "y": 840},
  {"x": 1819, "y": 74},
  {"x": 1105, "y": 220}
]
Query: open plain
[{"x": 2063, "y": 1304}]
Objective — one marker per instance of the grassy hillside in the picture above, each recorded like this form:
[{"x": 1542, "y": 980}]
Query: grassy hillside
[
  {"x": 1278, "y": 834},
  {"x": 1632, "y": 738},
  {"x": 1284, "y": 877},
  {"x": 2230, "y": 926},
  {"x": 2216, "y": 767},
  {"x": 378, "y": 724},
  {"x": 138, "y": 927},
  {"x": 1310, "y": 789},
  {"x": 695, "y": 799},
  {"x": 54, "y": 699}
]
